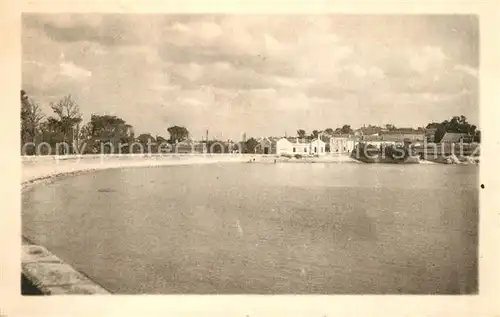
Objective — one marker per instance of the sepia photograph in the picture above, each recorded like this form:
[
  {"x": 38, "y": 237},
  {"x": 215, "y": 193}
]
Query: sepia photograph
[{"x": 250, "y": 154}]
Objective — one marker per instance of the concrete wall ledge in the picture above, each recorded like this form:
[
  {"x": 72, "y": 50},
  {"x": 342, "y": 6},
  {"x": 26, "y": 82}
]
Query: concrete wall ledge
[{"x": 52, "y": 276}]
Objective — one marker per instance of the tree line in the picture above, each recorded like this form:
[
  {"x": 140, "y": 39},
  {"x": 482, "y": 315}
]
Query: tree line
[
  {"x": 457, "y": 124},
  {"x": 63, "y": 131}
]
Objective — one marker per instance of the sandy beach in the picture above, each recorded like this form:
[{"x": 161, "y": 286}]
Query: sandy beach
[{"x": 40, "y": 168}]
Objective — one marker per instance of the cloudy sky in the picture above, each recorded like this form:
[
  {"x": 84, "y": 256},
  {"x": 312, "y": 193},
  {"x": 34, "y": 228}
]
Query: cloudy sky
[{"x": 263, "y": 75}]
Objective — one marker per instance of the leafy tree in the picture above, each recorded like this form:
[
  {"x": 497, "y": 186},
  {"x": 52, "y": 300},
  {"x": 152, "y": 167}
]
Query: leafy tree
[
  {"x": 104, "y": 126},
  {"x": 301, "y": 133},
  {"x": 148, "y": 142},
  {"x": 51, "y": 131},
  {"x": 25, "y": 108},
  {"x": 440, "y": 132},
  {"x": 314, "y": 134},
  {"x": 89, "y": 144},
  {"x": 390, "y": 127},
  {"x": 250, "y": 145},
  {"x": 329, "y": 131},
  {"x": 31, "y": 117},
  {"x": 86, "y": 131},
  {"x": 477, "y": 136},
  {"x": 145, "y": 138},
  {"x": 107, "y": 129},
  {"x": 433, "y": 125},
  {"x": 178, "y": 134},
  {"x": 162, "y": 145},
  {"x": 160, "y": 139},
  {"x": 346, "y": 129}
]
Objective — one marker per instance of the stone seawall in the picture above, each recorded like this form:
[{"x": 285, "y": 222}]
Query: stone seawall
[
  {"x": 44, "y": 270},
  {"x": 46, "y": 274}
]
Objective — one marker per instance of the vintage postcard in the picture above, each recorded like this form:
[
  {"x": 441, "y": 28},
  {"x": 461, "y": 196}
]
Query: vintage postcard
[{"x": 302, "y": 153}]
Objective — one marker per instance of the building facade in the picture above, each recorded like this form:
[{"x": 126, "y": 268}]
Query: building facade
[
  {"x": 267, "y": 146},
  {"x": 317, "y": 147},
  {"x": 342, "y": 143},
  {"x": 189, "y": 147},
  {"x": 397, "y": 137},
  {"x": 293, "y": 146},
  {"x": 430, "y": 135}
]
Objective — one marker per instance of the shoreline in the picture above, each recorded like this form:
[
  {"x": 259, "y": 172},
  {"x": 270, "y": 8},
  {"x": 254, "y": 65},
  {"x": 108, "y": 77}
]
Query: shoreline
[{"x": 40, "y": 169}]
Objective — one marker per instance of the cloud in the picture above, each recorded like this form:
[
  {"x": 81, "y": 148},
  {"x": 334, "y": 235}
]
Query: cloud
[
  {"x": 192, "y": 102},
  {"x": 163, "y": 88},
  {"x": 426, "y": 58},
  {"x": 69, "y": 69},
  {"x": 468, "y": 70},
  {"x": 448, "y": 80},
  {"x": 70, "y": 28},
  {"x": 372, "y": 72},
  {"x": 224, "y": 75}
]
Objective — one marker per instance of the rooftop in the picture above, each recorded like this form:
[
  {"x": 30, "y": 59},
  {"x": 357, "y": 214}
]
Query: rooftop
[
  {"x": 297, "y": 140},
  {"x": 403, "y": 131},
  {"x": 455, "y": 137}
]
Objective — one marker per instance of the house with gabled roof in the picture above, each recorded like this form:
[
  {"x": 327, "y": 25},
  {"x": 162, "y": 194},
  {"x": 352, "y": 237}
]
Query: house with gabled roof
[{"x": 267, "y": 145}]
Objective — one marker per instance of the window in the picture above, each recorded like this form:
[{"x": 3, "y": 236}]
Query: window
[
  {"x": 305, "y": 150},
  {"x": 315, "y": 150},
  {"x": 293, "y": 150}
]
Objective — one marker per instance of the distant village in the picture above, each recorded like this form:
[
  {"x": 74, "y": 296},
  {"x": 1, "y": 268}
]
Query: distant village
[
  {"x": 344, "y": 140},
  {"x": 64, "y": 133}
]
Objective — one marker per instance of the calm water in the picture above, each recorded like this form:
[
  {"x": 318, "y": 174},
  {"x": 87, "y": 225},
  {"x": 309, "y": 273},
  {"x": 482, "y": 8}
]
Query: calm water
[{"x": 256, "y": 228}]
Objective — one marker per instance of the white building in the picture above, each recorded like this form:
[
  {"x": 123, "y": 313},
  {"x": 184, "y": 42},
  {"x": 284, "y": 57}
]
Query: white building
[
  {"x": 292, "y": 146},
  {"x": 343, "y": 143},
  {"x": 318, "y": 147}
]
